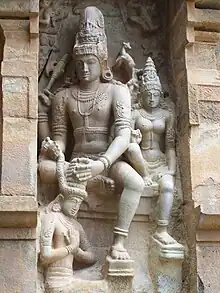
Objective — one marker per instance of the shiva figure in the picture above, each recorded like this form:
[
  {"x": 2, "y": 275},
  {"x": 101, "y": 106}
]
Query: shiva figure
[{"x": 92, "y": 106}]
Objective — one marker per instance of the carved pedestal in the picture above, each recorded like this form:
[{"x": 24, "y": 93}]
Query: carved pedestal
[
  {"x": 165, "y": 264},
  {"x": 119, "y": 274},
  {"x": 117, "y": 267}
]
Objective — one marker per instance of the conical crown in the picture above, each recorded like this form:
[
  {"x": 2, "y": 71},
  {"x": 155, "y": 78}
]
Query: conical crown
[
  {"x": 91, "y": 38},
  {"x": 150, "y": 80}
]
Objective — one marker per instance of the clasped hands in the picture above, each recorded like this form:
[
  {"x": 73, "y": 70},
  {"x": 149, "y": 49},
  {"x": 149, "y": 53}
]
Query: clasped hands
[{"x": 72, "y": 240}]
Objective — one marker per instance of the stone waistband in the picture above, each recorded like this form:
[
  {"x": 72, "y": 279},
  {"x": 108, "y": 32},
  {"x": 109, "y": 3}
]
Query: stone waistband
[{"x": 82, "y": 130}]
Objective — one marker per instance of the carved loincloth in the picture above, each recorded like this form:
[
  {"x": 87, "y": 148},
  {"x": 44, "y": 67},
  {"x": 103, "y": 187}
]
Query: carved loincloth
[
  {"x": 156, "y": 167},
  {"x": 61, "y": 280}
]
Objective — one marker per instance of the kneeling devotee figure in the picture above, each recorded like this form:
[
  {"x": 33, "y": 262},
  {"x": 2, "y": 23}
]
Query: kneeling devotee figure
[
  {"x": 92, "y": 106},
  {"x": 63, "y": 239}
]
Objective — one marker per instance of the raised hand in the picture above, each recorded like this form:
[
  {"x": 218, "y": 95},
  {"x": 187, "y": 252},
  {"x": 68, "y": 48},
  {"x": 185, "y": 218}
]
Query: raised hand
[{"x": 51, "y": 149}]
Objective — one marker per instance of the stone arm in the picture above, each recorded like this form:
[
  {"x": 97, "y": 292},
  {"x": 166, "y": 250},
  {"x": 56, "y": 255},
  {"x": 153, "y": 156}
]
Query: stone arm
[
  {"x": 136, "y": 135},
  {"x": 170, "y": 144},
  {"x": 133, "y": 118},
  {"x": 59, "y": 119},
  {"x": 49, "y": 255},
  {"x": 122, "y": 121},
  {"x": 43, "y": 123},
  {"x": 84, "y": 253}
]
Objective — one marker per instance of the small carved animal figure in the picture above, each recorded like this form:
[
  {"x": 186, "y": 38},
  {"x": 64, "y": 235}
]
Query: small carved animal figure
[{"x": 124, "y": 57}]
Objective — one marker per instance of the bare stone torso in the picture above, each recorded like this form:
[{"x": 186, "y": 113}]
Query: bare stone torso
[
  {"x": 90, "y": 132},
  {"x": 59, "y": 240},
  {"x": 153, "y": 131}
]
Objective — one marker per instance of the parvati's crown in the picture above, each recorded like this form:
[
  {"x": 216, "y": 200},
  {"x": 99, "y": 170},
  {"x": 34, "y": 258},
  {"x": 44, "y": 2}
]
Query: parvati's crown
[{"x": 150, "y": 80}]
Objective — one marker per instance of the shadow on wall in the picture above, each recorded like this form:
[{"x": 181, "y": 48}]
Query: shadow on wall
[
  {"x": 2, "y": 43},
  {"x": 208, "y": 4}
]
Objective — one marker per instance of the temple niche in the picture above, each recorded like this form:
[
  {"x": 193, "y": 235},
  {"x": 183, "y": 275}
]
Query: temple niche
[{"x": 109, "y": 189}]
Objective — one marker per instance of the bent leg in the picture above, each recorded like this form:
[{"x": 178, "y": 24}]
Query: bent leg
[
  {"x": 133, "y": 186},
  {"x": 137, "y": 161},
  {"x": 166, "y": 184}
]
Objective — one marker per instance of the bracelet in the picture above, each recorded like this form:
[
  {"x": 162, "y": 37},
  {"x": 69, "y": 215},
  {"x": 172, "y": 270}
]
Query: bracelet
[
  {"x": 69, "y": 249},
  {"x": 105, "y": 160},
  {"x": 42, "y": 117}
]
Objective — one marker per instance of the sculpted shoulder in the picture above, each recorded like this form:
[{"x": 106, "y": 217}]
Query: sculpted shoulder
[
  {"x": 121, "y": 91},
  {"x": 167, "y": 114},
  {"x": 62, "y": 93}
]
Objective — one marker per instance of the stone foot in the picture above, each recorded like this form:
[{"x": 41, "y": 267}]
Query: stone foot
[
  {"x": 164, "y": 238},
  {"x": 103, "y": 184},
  {"x": 147, "y": 181},
  {"x": 169, "y": 249},
  {"x": 119, "y": 252}
]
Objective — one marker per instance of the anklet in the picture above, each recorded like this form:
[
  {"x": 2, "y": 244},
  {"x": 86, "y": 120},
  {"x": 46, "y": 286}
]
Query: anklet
[
  {"x": 120, "y": 231},
  {"x": 162, "y": 223}
]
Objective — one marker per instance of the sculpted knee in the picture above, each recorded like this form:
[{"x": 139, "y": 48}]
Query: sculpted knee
[
  {"x": 167, "y": 186},
  {"x": 47, "y": 171},
  {"x": 134, "y": 181},
  {"x": 133, "y": 148}
]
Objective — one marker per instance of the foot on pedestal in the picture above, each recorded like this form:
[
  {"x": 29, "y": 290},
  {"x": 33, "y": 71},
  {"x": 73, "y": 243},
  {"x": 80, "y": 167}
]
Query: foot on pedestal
[
  {"x": 164, "y": 238},
  {"x": 119, "y": 252}
]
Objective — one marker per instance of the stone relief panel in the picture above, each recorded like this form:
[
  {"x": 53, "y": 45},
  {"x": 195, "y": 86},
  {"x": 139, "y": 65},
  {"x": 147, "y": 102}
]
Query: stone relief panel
[{"x": 112, "y": 127}]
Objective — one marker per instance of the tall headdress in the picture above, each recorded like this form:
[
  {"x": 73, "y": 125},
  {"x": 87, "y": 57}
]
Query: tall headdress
[
  {"x": 91, "y": 39},
  {"x": 150, "y": 80}
]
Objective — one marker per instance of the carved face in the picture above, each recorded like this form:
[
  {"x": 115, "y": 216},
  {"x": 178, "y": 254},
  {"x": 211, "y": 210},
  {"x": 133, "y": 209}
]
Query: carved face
[
  {"x": 88, "y": 68},
  {"x": 70, "y": 207},
  {"x": 151, "y": 98},
  {"x": 45, "y": 3}
]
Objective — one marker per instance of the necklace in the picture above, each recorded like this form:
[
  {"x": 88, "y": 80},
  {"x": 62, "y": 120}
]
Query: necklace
[
  {"x": 68, "y": 223},
  {"x": 93, "y": 96},
  {"x": 149, "y": 116},
  {"x": 84, "y": 95}
]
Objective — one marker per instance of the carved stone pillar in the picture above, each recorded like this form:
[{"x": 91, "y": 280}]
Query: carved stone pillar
[
  {"x": 195, "y": 28},
  {"x": 18, "y": 207}
]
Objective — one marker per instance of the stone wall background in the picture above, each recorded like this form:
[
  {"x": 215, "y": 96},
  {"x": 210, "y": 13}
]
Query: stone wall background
[
  {"x": 18, "y": 122},
  {"x": 189, "y": 64},
  {"x": 196, "y": 72},
  {"x": 145, "y": 25}
]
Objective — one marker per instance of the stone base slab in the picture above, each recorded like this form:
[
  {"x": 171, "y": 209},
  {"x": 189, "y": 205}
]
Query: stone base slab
[
  {"x": 117, "y": 267},
  {"x": 165, "y": 266}
]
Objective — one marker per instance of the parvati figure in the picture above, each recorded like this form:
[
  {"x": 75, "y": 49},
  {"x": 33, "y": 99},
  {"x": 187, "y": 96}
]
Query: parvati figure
[{"x": 156, "y": 123}]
